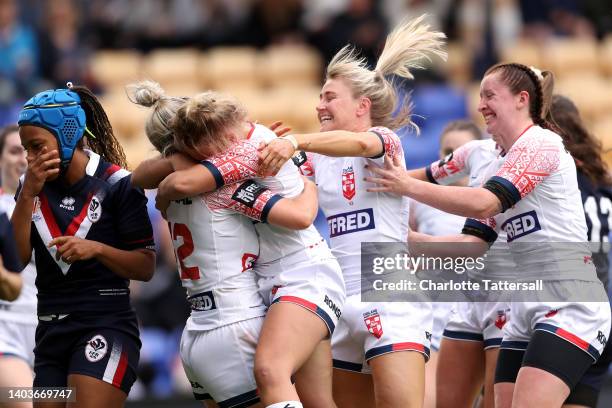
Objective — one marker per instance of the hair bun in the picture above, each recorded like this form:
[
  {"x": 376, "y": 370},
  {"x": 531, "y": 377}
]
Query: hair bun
[{"x": 145, "y": 93}]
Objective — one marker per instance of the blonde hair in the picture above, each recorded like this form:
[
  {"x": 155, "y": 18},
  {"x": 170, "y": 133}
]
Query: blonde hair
[
  {"x": 157, "y": 126},
  {"x": 409, "y": 45},
  {"x": 204, "y": 123}
]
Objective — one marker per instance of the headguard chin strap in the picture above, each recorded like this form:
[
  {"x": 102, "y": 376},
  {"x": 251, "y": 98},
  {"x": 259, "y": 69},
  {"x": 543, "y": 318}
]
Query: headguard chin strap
[{"x": 60, "y": 112}]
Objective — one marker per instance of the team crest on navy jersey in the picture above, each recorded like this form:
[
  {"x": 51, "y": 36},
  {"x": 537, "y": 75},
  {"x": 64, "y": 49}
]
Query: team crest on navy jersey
[
  {"x": 96, "y": 348},
  {"x": 94, "y": 212},
  {"x": 373, "y": 323},
  {"x": 348, "y": 183}
]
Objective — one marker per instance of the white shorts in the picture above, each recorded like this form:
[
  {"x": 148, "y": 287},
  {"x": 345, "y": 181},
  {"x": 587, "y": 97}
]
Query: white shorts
[
  {"x": 17, "y": 339},
  {"x": 478, "y": 321},
  {"x": 219, "y": 362},
  {"x": 315, "y": 285},
  {"x": 441, "y": 314},
  {"x": 584, "y": 324},
  {"x": 370, "y": 329}
]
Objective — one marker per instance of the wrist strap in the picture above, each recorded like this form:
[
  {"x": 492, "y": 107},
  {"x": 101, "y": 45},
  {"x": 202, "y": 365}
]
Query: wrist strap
[{"x": 292, "y": 139}]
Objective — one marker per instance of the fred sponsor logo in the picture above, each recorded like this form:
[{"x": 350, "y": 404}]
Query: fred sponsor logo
[
  {"x": 349, "y": 222},
  {"x": 202, "y": 302},
  {"x": 521, "y": 225}
]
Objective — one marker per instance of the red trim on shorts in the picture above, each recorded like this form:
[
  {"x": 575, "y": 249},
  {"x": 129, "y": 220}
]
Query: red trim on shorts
[
  {"x": 408, "y": 346},
  {"x": 572, "y": 338},
  {"x": 120, "y": 372},
  {"x": 294, "y": 299}
]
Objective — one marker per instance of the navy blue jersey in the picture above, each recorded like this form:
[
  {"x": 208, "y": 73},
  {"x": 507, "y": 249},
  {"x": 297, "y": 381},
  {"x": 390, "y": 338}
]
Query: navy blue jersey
[
  {"x": 597, "y": 202},
  {"x": 8, "y": 248},
  {"x": 103, "y": 206}
]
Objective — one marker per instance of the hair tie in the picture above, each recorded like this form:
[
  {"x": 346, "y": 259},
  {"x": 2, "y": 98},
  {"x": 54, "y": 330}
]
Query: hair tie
[{"x": 538, "y": 72}]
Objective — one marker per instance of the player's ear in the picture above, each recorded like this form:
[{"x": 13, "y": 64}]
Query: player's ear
[{"x": 364, "y": 106}]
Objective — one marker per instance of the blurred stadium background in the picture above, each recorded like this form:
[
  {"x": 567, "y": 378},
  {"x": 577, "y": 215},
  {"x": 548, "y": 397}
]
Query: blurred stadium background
[{"x": 271, "y": 55}]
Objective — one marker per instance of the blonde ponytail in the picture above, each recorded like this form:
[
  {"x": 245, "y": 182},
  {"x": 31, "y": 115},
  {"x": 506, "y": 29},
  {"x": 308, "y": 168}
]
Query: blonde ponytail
[{"x": 407, "y": 47}]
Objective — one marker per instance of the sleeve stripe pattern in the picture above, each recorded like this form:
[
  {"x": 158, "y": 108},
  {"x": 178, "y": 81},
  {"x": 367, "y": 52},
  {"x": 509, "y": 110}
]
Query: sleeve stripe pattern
[
  {"x": 529, "y": 161},
  {"x": 479, "y": 230},
  {"x": 215, "y": 172},
  {"x": 505, "y": 191},
  {"x": 250, "y": 199},
  {"x": 452, "y": 164},
  {"x": 390, "y": 141},
  {"x": 241, "y": 162}
]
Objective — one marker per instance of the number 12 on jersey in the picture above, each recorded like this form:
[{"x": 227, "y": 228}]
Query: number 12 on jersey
[{"x": 183, "y": 248}]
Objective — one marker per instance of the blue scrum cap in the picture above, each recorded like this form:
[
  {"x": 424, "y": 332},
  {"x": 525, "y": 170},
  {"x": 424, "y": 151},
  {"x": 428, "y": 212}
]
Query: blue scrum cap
[{"x": 59, "y": 111}]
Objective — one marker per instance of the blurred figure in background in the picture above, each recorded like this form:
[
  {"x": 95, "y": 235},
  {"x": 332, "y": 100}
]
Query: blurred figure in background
[
  {"x": 17, "y": 318},
  {"x": 429, "y": 220},
  {"x": 64, "y": 53},
  {"x": 18, "y": 61},
  {"x": 595, "y": 186}
]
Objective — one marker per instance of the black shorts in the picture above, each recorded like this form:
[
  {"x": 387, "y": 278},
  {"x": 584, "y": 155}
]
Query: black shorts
[
  {"x": 586, "y": 392},
  {"x": 106, "y": 347},
  {"x": 547, "y": 352}
]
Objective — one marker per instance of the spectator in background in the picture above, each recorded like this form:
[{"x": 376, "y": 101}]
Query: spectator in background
[
  {"x": 274, "y": 21},
  {"x": 106, "y": 20},
  {"x": 545, "y": 18},
  {"x": 63, "y": 52},
  {"x": 361, "y": 24},
  {"x": 18, "y": 60},
  {"x": 436, "y": 10}
]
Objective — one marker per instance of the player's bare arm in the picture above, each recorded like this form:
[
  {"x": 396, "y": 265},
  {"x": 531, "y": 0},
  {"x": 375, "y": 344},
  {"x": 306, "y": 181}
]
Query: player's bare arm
[{"x": 464, "y": 201}]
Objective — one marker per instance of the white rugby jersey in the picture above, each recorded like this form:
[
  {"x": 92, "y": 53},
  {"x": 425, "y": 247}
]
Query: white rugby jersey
[
  {"x": 469, "y": 160},
  {"x": 23, "y": 309},
  {"x": 216, "y": 248},
  {"x": 242, "y": 162},
  {"x": 432, "y": 221},
  {"x": 542, "y": 216},
  {"x": 478, "y": 160},
  {"x": 353, "y": 214}
]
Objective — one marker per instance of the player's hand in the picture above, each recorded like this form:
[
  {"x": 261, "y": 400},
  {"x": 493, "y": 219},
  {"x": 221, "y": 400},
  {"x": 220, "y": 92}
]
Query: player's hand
[
  {"x": 278, "y": 128},
  {"x": 2, "y": 271},
  {"x": 392, "y": 178},
  {"x": 181, "y": 161},
  {"x": 273, "y": 155},
  {"x": 72, "y": 249},
  {"x": 162, "y": 205},
  {"x": 40, "y": 169}
]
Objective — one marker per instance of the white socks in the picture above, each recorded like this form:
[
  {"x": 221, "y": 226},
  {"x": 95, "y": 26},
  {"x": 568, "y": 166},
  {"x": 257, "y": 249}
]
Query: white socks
[{"x": 286, "y": 404}]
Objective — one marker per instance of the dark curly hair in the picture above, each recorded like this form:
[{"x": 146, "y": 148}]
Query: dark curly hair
[
  {"x": 581, "y": 144},
  {"x": 105, "y": 143}
]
